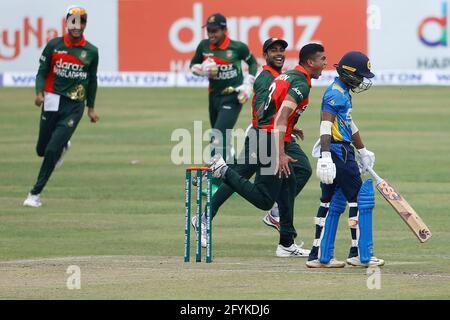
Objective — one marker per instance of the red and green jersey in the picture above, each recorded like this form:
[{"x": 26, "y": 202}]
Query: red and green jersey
[
  {"x": 228, "y": 57},
  {"x": 296, "y": 83},
  {"x": 261, "y": 90},
  {"x": 69, "y": 69}
]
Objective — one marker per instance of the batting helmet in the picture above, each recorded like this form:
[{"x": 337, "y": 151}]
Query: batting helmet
[{"x": 353, "y": 67}]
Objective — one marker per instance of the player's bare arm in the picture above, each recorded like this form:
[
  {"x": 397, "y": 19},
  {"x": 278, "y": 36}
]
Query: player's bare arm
[
  {"x": 357, "y": 141},
  {"x": 287, "y": 107},
  {"x": 325, "y": 131},
  {"x": 298, "y": 132}
]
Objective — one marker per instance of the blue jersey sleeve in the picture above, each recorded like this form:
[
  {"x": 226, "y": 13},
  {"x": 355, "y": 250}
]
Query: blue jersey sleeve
[{"x": 333, "y": 102}]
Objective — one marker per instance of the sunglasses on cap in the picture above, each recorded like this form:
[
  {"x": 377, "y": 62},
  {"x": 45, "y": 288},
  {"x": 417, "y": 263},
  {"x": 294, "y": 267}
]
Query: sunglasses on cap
[{"x": 77, "y": 10}]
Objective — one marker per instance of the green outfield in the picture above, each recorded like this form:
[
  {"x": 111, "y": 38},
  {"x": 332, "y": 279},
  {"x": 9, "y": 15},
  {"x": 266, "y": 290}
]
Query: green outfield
[{"x": 115, "y": 208}]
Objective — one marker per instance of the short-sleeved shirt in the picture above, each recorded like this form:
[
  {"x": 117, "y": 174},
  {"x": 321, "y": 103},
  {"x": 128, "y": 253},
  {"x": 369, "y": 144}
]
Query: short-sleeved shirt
[
  {"x": 338, "y": 101},
  {"x": 261, "y": 90},
  {"x": 228, "y": 57},
  {"x": 296, "y": 83}
]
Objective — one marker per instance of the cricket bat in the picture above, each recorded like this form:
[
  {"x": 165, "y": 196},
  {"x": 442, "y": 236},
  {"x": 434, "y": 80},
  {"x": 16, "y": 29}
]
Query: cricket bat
[{"x": 402, "y": 207}]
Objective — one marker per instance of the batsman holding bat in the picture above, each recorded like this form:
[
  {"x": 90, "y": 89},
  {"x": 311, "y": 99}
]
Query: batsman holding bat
[
  {"x": 219, "y": 58},
  {"x": 339, "y": 173}
]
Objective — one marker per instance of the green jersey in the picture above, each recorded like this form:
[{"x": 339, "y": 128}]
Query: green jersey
[
  {"x": 228, "y": 56},
  {"x": 261, "y": 90},
  {"x": 69, "y": 69},
  {"x": 296, "y": 83}
]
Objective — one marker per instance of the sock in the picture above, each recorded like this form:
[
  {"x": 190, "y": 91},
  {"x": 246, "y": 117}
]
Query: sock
[{"x": 275, "y": 212}]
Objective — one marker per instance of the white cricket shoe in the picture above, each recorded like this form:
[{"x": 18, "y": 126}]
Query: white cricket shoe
[
  {"x": 294, "y": 251},
  {"x": 374, "y": 261},
  {"x": 218, "y": 165},
  {"x": 194, "y": 224},
  {"x": 271, "y": 220},
  {"x": 33, "y": 200},
  {"x": 332, "y": 264},
  {"x": 61, "y": 158}
]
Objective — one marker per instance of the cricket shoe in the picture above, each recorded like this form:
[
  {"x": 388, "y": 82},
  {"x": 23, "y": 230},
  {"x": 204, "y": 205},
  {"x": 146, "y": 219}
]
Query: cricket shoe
[
  {"x": 294, "y": 251},
  {"x": 271, "y": 220},
  {"x": 203, "y": 226},
  {"x": 374, "y": 261},
  {"x": 61, "y": 158},
  {"x": 332, "y": 264},
  {"x": 218, "y": 166},
  {"x": 33, "y": 200}
]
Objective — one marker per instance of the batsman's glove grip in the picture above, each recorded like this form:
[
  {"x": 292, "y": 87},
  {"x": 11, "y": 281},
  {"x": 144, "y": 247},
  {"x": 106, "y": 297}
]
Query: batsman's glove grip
[
  {"x": 367, "y": 159},
  {"x": 326, "y": 169}
]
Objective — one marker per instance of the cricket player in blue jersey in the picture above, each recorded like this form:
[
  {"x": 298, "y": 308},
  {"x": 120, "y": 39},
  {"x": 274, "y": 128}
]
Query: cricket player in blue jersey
[{"x": 340, "y": 173}]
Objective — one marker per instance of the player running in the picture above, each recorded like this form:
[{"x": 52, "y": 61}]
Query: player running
[
  {"x": 338, "y": 170},
  {"x": 288, "y": 97},
  {"x": 219, "y": 58},
  {"x": 67, "y": 77}
]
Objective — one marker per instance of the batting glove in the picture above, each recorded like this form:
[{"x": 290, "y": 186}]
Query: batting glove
[
  {"x": 326, "y": 169},
  {"x": 367, "y": 159}
]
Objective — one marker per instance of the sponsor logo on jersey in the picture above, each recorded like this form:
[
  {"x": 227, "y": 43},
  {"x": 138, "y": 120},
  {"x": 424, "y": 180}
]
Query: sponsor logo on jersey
[
  {"x": 226, "y": 71},
  {"x": 229, "y": 54},
  {"x": 83, "y": 54},
  {"x": 282, "y": 77},
  {"x": 297, "y": 91},
  {"x": 69, "y": 70}
]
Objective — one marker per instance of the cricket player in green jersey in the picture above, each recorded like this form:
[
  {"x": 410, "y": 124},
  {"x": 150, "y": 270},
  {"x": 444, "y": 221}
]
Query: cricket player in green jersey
[
  {"x": 219, "y": 58},
  {"x": 288, "y": 97},
  {"x": 67, "y": 77},
  {"x": 274, "y": 54}
]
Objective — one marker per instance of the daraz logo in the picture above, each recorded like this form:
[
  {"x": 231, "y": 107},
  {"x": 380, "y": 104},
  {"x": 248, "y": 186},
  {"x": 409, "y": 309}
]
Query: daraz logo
[{"x": 441, "y": 22}]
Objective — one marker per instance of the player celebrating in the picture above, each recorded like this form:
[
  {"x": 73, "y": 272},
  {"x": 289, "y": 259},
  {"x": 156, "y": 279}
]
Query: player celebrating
[
  {"x": 67, "y": 76},
  {"x": 338, "y": 170},
  {"x": 219, "y": 58},
  {"x": 287, "y": 99},
  {"x": 274, "y": 54}
]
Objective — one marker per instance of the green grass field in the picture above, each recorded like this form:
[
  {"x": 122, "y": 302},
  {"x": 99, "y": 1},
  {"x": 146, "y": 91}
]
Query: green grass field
[{"x": 121, "y": 220}]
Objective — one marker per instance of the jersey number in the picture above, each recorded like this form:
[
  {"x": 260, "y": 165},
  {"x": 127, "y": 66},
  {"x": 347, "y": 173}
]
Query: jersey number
[{"x": 269, "y": 97}]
